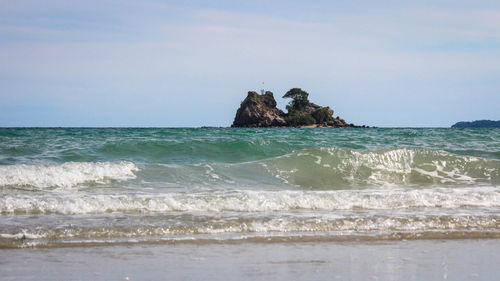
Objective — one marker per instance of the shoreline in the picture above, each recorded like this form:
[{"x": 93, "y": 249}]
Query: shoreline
[{"x": 229, "y": 239}]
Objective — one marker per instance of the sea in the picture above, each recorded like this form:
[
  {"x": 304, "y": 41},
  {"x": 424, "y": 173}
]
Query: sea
[{"x": 65, "y": 187}]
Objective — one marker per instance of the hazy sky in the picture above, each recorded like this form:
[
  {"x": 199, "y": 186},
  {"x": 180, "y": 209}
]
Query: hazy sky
[{"x": 191, "y": 63}]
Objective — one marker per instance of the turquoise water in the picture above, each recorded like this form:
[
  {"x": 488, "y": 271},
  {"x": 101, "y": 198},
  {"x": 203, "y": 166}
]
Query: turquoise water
[{"x": 83, "y": 186}]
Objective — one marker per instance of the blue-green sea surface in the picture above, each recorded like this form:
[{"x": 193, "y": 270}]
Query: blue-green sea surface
[{"x": 80, "y": 186}]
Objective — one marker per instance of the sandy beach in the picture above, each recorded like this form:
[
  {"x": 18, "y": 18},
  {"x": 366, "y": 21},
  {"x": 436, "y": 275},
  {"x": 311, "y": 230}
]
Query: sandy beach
[{"x": 395, "y": 260}]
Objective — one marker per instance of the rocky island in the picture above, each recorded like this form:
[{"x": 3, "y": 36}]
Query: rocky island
[{"x": 260, "y": 111}]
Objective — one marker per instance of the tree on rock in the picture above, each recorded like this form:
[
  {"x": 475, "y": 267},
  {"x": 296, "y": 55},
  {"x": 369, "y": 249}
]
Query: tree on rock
[{"x": 299, "y": 99}]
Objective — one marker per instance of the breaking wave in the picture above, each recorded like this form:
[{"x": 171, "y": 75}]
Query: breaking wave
[
  {"x": 311, "y": 168},
  {"x": 327, "y": 168},
  {"x": 335, "y": 167},
  {"x": 340, "y": 168},
  {"x": 65, "y": 175}
]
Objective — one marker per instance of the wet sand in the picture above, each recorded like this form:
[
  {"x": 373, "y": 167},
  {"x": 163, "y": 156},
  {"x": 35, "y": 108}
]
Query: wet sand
[{"x": 385, "y": 260}]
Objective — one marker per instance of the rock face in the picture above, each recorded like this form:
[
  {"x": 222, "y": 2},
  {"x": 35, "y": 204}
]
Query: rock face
[
  {"x": 259, "y": 111},
  {"x": 311, "y": 107}
]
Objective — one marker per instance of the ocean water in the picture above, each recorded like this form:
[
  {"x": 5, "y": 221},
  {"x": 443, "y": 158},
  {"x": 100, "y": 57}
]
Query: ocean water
[{"x": 77, "y": 186}]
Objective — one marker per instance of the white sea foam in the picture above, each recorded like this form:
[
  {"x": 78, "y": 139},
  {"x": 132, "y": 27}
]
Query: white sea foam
[
  {"x": 285, "y": 225},
  {"x": 65, "y": 175},
  {"x": 254, "y": 201}
]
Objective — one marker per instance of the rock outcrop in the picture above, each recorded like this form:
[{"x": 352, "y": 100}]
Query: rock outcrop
[{"x": 259, "y": 111}]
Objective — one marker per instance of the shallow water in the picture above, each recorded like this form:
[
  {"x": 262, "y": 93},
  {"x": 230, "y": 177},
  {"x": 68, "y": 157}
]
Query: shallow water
[{"x": 76, "y": 186}]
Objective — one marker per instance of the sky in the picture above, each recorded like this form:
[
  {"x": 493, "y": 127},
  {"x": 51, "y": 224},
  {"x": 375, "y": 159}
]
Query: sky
[{"x": 190, "y": 63}]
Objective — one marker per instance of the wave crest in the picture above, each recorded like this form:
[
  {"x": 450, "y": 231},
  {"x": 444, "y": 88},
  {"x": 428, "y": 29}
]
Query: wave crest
[
  {"x": 327, "y": 168},
  {"x": 65, "y": 175}
]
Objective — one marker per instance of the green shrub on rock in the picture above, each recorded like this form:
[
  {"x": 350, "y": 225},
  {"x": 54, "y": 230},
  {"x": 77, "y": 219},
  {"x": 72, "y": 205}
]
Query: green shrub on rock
[
  {"x": 297, "y": 118},
  {"x": 322, "y": 115}
]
